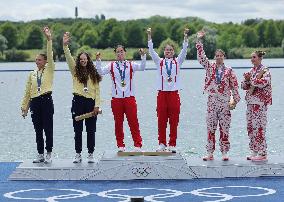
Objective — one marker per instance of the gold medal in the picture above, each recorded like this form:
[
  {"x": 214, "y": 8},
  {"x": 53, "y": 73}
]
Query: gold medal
[
  {"x": 123, "y": 83},
  {"x": 169, "y": 79}
]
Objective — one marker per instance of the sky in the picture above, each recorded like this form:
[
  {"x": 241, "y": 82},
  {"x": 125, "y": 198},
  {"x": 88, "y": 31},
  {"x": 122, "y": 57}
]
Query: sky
[{"x": 211, "y": 10}]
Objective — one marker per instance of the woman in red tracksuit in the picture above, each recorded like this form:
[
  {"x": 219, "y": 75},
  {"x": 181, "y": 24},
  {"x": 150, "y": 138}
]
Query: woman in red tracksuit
[
  {"x": 123, "y": 94},
  {"x": 257, "y": 84},
  {"x": 168, "y": 85},
  {"x": 220, "y": 83}
]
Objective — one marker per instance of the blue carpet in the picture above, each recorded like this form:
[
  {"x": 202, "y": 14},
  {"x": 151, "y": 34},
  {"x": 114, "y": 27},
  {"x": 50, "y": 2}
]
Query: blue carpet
[{"x": 230, "y": 189}]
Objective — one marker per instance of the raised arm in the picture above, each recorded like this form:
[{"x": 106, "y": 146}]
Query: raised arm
[
  {"x": 101, "y": 70},
  {"x": 142, "y": 65},
  {"x": 49, "y": 51},
  {"x": 183, "y": 52},
  {"x": 69, "y": 59},
  {"x": 155, "y": 57},
  {"x": 201, "y": 57}
]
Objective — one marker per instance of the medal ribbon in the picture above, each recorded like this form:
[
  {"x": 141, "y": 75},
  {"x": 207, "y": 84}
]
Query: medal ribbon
[
  {"x": 169, "y": 70},
  {"x": 219, "y": 75},
  {"x": 38, "y": 79},
  {"x": 121, "y": 72}
]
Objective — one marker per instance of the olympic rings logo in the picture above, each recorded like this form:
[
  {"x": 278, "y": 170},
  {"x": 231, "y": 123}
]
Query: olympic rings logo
[
  {"x": 141, "y": 171},
  {"x": 118, "y": 194}
]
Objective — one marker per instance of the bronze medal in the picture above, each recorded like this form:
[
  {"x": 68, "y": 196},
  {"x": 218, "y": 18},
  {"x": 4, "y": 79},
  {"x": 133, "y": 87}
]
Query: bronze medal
[{"x": 170, "y": 79}]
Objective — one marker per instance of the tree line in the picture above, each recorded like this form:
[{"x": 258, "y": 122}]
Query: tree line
[{"x": 101, "y": 33}]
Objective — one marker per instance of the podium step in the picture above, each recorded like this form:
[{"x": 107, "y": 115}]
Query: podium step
[{"x": 111, "y": 166}]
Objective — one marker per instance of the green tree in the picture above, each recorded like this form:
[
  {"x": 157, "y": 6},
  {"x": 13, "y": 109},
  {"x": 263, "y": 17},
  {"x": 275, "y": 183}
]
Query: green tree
[
  {"x": 90, "y": 38},
  {"x": 250, "y": 37},
  {"x": 272, "y": 35},
  {"x": 35, "y": 38},
  {"x": 105, "y": 29},
  {"x": 174, "y": 26},
  {"x": 116, "y": 36},
  {"x": 3, "y": 44},
  {"x": 227, "y": 41},
  {"x": 58, "y": 44},
  {"x": 159, "y": 34},
  {"x": 134, "y": 35},
  {"x": 209, "y": 42},
  {"x": 260, "y": 29},
  {"x": 282, "y": 45},
  {"x": 9, "y": 31}
]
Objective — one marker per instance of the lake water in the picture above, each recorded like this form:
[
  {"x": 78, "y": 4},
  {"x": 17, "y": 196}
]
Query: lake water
[{"x": 17, "y": 137}]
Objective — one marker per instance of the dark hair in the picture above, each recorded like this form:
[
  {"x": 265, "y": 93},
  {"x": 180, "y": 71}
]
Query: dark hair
[
  {"x": 82, "y": 73},
  {"x": 43, "y": 55},
  {"x": 259, "y": 53},
  {"x": 119, "y": 46},
  {"x": 221, "y": 51}
]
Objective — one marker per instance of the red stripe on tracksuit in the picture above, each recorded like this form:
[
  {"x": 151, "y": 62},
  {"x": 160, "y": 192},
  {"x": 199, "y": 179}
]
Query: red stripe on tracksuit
[
  {"x": 168, "y": 108},
  {"x": 127, "y": 106}
]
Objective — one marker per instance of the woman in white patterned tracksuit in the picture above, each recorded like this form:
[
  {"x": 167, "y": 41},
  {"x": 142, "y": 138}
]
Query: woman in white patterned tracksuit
[
  {"x": 220, "y": 83},
  {"x": 257, "y": 83}
]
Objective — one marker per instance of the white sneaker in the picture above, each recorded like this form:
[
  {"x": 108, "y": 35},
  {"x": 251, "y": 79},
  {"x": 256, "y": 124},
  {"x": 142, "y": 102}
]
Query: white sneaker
[
  {"x": 121, "y": 149},
  {"x": 91, "y": 158},
  {"x": 78, "y": 158},
  {"x": 208, "y": 157},
  {"x": 161, "y": 148},
  {"x": 137, "y": 149},
  {"x": 225, "y": 156},
  {"x": 172, "y": 149},
  {"x": 39, "y": 158},
  {"x": 253, "y": 154},
  {"x": 48, "y": 158}
]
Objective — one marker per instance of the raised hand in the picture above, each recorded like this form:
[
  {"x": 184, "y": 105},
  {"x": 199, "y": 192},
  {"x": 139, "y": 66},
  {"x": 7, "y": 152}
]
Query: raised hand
[
  {"x": 149, "y": 32},
  {"x": 98, "y": 56},
  {"x": 185, "y": 32},
  {"x": 142, "y": 51},
  {"x": 66, "y": 38},
  {"x": 200, "y": 34},
  {"x": 47, "y": 33}
]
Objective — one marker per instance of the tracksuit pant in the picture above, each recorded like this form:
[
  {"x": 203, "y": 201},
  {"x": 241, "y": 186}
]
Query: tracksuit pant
[
  {"x": 127, "y": 106},
  {"x": 82, "y": 105},
  {"x": 42, "y": 111},
  {"x": 218, "y": 111},
  {"x": 168, "y": 108},
  {"x": 256, "y": 127}
]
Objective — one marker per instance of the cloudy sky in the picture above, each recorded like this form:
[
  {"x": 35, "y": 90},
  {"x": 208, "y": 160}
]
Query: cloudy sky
[{"x": 211, "y": 10}]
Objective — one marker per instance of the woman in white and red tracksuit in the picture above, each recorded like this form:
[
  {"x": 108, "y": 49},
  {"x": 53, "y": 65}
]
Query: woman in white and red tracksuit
[
  {"x": 168, "y": 85},
  {"x": 123, "y": 94},
  {"x": 257, "y": 83},
  {"x": 220, "y": 83}
]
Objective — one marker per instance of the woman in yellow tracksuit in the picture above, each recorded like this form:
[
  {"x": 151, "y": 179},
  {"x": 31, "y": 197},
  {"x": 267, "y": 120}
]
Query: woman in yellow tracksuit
[
  {"x": 38, "y": 99},
  {"x": 86, "y": 98}
]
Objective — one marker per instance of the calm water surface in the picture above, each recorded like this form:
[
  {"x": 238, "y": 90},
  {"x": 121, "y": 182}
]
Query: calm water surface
[{"x": 17, "y": 137}]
